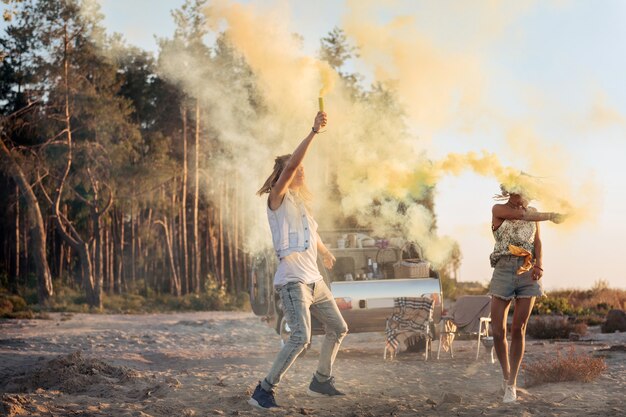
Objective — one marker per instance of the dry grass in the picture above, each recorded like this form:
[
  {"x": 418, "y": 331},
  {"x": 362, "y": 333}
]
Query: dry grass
[
  {"x": 554, "y": 327},
  {"x": 572, "y": 366},
  {"x": 599, "y": 297}
]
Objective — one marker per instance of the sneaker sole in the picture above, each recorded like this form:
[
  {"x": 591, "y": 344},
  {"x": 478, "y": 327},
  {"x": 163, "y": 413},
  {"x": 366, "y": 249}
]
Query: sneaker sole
[
  {"x": 254, "y": 403},
  {"x": 312, "y": 393}
]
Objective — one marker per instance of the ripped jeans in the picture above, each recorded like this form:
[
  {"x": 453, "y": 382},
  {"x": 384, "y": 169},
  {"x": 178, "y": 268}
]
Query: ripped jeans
[{"x": 299, "y": 302}]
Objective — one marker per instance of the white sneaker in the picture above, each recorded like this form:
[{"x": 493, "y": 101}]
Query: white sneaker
[{"x": 510, "y": 394}]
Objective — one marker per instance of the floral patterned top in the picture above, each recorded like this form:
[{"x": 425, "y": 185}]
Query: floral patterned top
[{"x": 513, "y": 232}]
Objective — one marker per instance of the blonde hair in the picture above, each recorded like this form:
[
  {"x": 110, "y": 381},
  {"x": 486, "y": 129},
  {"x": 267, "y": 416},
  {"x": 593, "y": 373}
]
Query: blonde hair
[
  {"x": 504, "y": 194},
  {"x": 279, "y": 165}
]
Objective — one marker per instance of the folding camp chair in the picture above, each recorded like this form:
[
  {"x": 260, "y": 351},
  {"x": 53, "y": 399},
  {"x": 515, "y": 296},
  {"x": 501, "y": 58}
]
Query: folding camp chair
[
  {"x": 411, "y": 317},
  {"x": 469, "y": 316}
]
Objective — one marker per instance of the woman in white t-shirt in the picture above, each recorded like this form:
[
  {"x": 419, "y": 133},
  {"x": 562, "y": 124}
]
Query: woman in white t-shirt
[{"x": 297, "y": 280}]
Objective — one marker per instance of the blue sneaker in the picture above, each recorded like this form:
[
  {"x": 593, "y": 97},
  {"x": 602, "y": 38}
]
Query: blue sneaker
[
  {"x": 262, "y": 399},
  {"x": 323, "y": 389}
]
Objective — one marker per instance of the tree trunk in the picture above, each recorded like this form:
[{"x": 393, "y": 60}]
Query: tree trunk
[
  {"x": 146, "y": 255},
  {"x": 196, "y": 243},
  {"x": 17, "y": 234},
  {"x": 236, "y": 233},
  {"x": 175, "y": 287},
  {"x": 37, "y": 229},
  {"x": 176, "y": 244},
  {"x": 86, "y": 269},
  {"x": 183, "y": 225},
  {"x": 221, "y": 236},
  {"x": 133, "y": 245},
  {"x": 231, "y": 269},
  {"x": 120, "y": 253},
  {"x": 105, "y": 260},
  {"x": 65, "y": 227},
  {"x": 211, "y": 243}
]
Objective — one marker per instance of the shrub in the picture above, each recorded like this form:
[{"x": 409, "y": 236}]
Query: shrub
[
  {"x": 570, "y": 367},
  {"x": 68, "y": 300},
  {"x": 123, "y": 303},
  {"x": 13, "y": 306},
  {"x": 6, "y": 306},
  {"x": 554, "y": 327},
  {"x": 19, "y": 304},
  {"x": 552, "y": 305}
]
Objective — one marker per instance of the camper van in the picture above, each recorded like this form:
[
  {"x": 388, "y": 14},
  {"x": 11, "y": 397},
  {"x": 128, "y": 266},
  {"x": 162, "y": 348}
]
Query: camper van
[{"x": 368, "y": 274}]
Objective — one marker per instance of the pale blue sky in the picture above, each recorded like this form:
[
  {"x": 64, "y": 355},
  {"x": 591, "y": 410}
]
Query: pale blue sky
[{"x": 571, "y": 52}]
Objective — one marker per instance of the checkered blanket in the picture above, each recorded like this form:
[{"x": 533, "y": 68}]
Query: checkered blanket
[{"x": 411, "y": 316}]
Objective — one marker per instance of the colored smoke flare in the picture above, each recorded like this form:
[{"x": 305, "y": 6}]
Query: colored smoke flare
[{"x": 320, "y": 100}]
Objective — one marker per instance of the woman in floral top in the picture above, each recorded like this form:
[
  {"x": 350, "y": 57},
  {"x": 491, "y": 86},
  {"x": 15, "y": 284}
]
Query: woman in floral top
[{"x": 517, "y": 263}]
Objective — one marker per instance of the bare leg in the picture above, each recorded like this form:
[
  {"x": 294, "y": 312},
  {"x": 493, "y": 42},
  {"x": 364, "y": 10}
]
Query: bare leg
[
  {"x": 523, "y": 308},
  {"x": 499, "y": 313}
]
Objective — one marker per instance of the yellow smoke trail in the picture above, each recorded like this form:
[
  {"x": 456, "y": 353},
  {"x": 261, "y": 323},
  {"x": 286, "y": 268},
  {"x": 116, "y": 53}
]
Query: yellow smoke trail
[
  {"x": 442, "y": 86},
  {"x": 286, "y": 76},
  {"x": 328, "y": 77}
]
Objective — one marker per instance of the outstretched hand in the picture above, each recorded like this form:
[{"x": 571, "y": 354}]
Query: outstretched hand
[
  {"x": 329, "y": 260},
  {"x": 558, "y": 218},
  {"x": 320, "y": 121}
]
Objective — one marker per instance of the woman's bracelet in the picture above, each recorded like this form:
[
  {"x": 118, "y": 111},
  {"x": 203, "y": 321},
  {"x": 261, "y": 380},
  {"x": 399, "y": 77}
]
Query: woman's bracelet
[
  {"x": 538, "y": 267},
  {"x": 315, "y": 131}
]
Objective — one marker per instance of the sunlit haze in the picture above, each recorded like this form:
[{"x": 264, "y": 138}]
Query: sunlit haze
[{"x": 489, "y": 88}]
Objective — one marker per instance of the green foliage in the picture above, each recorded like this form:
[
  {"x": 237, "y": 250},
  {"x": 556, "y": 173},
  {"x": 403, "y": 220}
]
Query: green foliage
[
  {"x": 70, "y": 300},
  {"x": 586, "y": 306},
  {"x": 6, "y": 306},
  {"x": 66, "y": 299},
  {"x": 552, "y": 305},
  {"x": 336, "y": 49},
  {"x": 14, "y": 306}
]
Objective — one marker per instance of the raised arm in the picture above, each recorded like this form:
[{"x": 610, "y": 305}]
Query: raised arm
[{"x": 282, "y": 185}]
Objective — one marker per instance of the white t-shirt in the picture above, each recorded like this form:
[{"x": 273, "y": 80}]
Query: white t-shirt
[{"x": 300, "y": 266}]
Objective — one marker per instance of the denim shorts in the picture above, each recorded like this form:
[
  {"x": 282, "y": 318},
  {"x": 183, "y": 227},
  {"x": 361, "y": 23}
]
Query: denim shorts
[{"x": 506, "y": 284}]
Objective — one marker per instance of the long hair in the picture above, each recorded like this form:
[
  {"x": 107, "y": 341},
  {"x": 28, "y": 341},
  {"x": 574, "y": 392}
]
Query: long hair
[
  {"x": 279, "y": 165},
  {"x": 504, "y": 194}
]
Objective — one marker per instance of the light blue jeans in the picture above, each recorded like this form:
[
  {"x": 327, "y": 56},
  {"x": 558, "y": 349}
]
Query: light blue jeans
[{"x": 299, "y": 302}]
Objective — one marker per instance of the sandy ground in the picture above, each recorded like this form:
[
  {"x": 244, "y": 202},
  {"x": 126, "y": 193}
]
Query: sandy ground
[{"x": 202, "y": 364}]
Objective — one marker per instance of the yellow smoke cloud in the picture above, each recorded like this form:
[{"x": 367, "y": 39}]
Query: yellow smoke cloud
[
  {"x": 286, "y": 76},
  {"x": 432, "y": 82},
  {"x": 366, "y": 152}
]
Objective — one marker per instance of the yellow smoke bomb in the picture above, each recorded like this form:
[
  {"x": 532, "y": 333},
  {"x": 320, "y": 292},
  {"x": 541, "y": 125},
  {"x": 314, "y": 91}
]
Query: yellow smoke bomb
[{"x": 320, "y": 100}]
